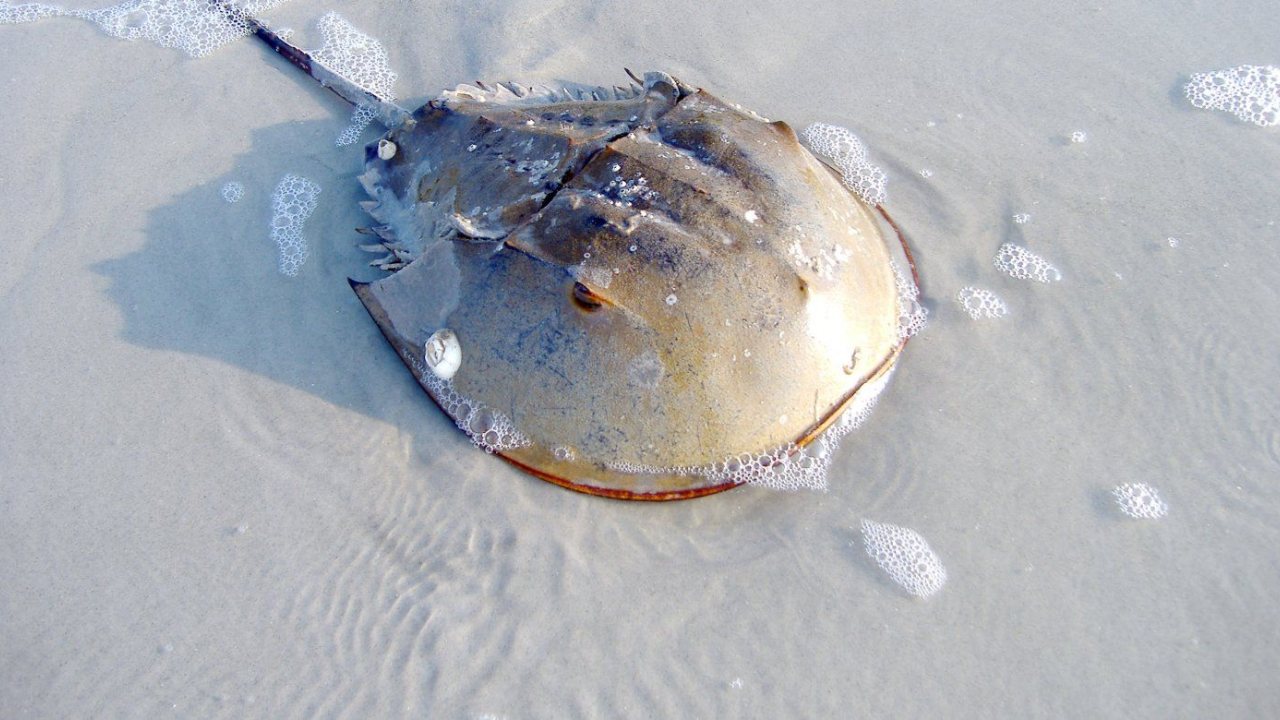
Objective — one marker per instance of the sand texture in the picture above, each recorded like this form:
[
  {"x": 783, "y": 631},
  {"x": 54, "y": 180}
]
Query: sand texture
[{"x": 222, "y": 495}]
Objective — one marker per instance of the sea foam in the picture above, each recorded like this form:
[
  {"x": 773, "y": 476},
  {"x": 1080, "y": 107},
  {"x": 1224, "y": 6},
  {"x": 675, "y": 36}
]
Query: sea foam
[
  {"x": 233, "y": 191},
  {"x": 905, "y": 556},
  {"x": 849, "y": 155},
  {"x": 292, "y": 203},
  {"x": 1019, "y": 262},
  {"x": 981, "y": 303},
  {"x": 197, "y": 27},
  {"x": 360, "y": 58},
  {"x": 1140, "y": 500},
  {"x": 1250, "y": 92}
]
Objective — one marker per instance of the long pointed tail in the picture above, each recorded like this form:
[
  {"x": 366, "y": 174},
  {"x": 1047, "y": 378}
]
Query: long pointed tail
[{"x": 390, "y": 114}]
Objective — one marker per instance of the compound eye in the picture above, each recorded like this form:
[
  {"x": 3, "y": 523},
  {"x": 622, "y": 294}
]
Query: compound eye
[{"x": 586, "y": 298}]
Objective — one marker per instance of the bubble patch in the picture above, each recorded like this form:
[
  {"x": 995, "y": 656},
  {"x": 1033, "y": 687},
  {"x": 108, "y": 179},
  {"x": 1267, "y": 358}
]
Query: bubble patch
[
  {"x": 28, "y": 12},
  {"x": 849, "y": 155},
  {"x": 905, "y": 556},
  {"x": 981, "y": 304},
  {"x": 490, "y": 430},
  {"x": 1079, "y": 136},
  {"x": 1250, "y": 92},
  {"x": 355, "y": 56},
  {"x": 232, "y": 192},
  {"x": 360, "y": 119},
  {"x": 912, "y": 316},
  {"x": 292, "y": 203},
  {"x": 1140, "y": 500},
  {"x": 196, "y": 27},
  {"x": 1022, "y": 264}
]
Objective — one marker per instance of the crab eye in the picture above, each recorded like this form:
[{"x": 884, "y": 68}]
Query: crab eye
[{"x": 585, "y": 298}]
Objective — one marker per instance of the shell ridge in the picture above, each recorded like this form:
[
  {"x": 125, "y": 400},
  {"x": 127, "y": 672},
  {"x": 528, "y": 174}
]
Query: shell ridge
[{"x": 513, "y": 93}]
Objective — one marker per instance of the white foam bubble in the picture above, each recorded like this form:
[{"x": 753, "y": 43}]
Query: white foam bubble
[
  {"x": 28, "y": 12},
  {"x": 912, "y": 316},
  {"x": 361, "y": 117},
  {"x": 1019, "y": 262},
  {"x": 1022, "y": 218},
  {"x": 491, "y": 430},
  {"x": 849, "y": 155},
  {"x": 232, "y": 192},
  {"x": 355, "y": 56},
  {"x": 1250, "y": 92},
  {"x": 1079, "y": 136},
  {"x": 1140, "y": 500},
  {"x": 197, "y": 27},
  {"x": 905, "y": 556},
  {"x": 292, "y": 203},
  {"x": 359, "y": 58},
  {"x": 981, "y": 303}
]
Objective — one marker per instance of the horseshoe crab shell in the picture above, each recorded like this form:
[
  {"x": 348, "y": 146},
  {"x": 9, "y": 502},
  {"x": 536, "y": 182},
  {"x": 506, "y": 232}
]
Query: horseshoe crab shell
[{"x": 635, "y": 286}]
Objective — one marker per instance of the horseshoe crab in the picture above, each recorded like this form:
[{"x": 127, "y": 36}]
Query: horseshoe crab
[{"x": 642, "y": 292}]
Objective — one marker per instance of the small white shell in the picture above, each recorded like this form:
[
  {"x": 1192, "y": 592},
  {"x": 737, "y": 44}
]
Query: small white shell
[
  {"x": 386, "y": 149},
  {"x": 443, "y": 353}
]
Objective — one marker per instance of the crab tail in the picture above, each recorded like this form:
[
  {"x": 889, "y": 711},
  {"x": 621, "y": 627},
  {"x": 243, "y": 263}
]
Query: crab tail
[{"x": 387, "y": 112}]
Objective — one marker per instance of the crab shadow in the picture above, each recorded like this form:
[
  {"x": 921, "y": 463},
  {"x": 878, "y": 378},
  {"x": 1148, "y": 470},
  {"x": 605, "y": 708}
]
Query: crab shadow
[{"x": 207, "y": 281}]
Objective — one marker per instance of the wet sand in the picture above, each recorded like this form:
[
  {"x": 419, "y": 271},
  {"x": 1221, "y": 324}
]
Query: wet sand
[{"x": 222, "y": 495}]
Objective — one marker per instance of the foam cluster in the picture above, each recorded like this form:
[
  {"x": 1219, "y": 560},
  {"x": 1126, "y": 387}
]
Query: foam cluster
[
  {"x": 1140, "y": 500},
  {"x": 849, "y": 155},
  {"x": 905, "y": 556},
  {"x": 232, "y": 192},
  {"x": 1250, "y": 92},
  {"x": 292, "y": 203},
  {"x": 912, "y": 316},
  {"x": 360, "y": 58},
  {"x": 491, "y": 430},
  {"x": 27, "y": 12},
  {"x": 355, "y": 56},
  {"x": 981, "y": 303},
  {"x": 1019, "y": 262},
  {"x": 197, "y": 27},
  {"x": 360, "y": 119},
  {"x": 788, "y": 467}
]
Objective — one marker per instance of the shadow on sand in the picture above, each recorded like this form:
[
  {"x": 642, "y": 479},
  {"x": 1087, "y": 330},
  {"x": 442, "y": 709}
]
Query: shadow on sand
[{"x": 207, "y": 281}]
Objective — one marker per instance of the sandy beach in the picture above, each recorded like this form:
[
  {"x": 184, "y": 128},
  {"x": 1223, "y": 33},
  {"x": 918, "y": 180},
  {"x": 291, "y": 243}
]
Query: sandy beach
[{"x": 223, "y": 495}]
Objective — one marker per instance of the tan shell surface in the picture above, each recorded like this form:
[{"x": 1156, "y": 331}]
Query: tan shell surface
[{"x": 685, "y": 285}]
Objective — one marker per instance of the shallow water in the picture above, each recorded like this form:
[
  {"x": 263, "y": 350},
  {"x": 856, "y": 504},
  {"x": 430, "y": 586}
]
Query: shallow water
[{"x": 222, "y": 495}]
